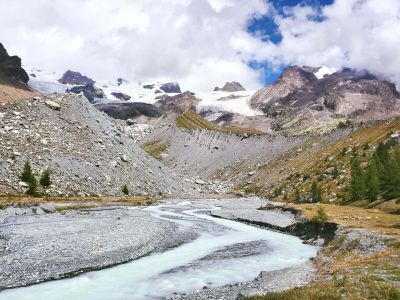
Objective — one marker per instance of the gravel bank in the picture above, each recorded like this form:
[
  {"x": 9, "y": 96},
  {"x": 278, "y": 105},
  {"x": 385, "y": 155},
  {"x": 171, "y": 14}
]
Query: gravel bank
[{"x": 39, "y": 247}]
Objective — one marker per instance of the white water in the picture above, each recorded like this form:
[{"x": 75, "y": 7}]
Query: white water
[{"x": 211, "y": 259}]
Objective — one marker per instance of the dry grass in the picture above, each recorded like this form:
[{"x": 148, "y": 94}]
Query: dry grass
[
  {"x": 154, "y": 148},
  {"x": 96, "y": 201},
  {"x": 354, "y": 217}
]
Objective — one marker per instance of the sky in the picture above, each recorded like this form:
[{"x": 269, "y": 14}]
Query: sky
[{"x": 202, "y": 43}]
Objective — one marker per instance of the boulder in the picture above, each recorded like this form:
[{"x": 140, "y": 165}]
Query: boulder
[
  {"x": 171, "y": 87},
  {"x": 52, "y": 105},
  {"x": 121, "y": 96},
  {"x": 89, "y": 91},
  {"x": 75, "y": 78}
]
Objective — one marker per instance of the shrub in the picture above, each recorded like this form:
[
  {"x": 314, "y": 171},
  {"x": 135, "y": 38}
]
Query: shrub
[
  {"x": 125, "y": 190},
  {"x": 45, "y": 180},
  {"x": 321, "y": 215},
  {"x": 27, "y": 172}
]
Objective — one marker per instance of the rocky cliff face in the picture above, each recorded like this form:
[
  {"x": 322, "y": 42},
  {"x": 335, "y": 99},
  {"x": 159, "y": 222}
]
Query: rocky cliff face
[
  {"x": 177, "y": 104},
  {"x": 75, "y": 78},
  {"x": 231, "y": 87},
  {"x": 130, "y": 110},
  {"x": 10, "y": 66},
  {"x": 291, "y": 80},
  {"x": 90, "y": 91}
]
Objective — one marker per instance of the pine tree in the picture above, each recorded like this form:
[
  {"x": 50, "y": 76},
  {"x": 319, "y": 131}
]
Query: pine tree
[
  {"x": 357, "y": 184},
  {"x": 27, "y": 172},
  {"x": 32, "y": 187},
  {"x": 316, "y": 193},
  {"x": 372, "y": 181},
  {"x": 125, "y": 189},
  {"x": 45, "y": 180},
  {"x": 297, "y": 197},
  {"x": 391, "y": 184},
  {"x": 335, "y": 172}
]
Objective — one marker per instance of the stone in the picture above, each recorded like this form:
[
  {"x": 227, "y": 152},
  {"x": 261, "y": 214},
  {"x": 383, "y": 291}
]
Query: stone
[
  {"x": 53, "y": 105},
  {"x": 124, "y": 158}
]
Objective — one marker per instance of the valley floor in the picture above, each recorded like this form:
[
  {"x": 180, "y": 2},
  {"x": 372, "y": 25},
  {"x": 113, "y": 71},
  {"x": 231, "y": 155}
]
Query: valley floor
[{"x": 58, "y": 239}]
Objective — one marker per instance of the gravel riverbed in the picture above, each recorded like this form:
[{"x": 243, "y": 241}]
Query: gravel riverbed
[{"x": 39, "y": 245}]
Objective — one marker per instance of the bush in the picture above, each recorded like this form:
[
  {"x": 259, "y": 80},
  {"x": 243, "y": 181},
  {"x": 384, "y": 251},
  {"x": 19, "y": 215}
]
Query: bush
[
  {"x": 28, "y": 177},
  {"x": 45, "y": 180},
  {"x": 27, "y": 172},
  {"x": 321, "y": 215},
  {"x": 125, "y": 190}
]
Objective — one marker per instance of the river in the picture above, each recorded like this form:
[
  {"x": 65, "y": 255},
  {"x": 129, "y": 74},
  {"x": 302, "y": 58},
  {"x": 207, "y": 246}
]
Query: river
[{"x": 220, "y": 252}]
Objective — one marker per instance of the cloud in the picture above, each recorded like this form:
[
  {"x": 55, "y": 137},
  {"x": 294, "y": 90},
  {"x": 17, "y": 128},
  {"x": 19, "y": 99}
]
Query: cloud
[
  {"x": 361, "y": 34},
  {"x": 200, "y": 43},
  {"x": 191, "y": 41}
]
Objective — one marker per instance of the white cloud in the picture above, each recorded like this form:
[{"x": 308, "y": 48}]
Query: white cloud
[
  {"x": 200, "y": 43},
  {"x": 362, "y": 34},
  {"x": 143, "y": 40}
]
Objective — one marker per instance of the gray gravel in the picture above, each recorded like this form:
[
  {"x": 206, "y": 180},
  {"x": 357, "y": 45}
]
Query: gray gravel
[{"x": 37, "y": 247}]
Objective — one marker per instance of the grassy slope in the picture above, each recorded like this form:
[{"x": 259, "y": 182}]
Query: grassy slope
[
  {"x": 301, "y": 166},
  {"x": 192, "y": 121},
  {"x": 155, "y": 148}
]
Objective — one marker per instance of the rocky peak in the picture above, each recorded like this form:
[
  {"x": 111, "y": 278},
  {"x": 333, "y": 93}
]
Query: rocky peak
[
  {"x": 10, "y": 66},
  {"x": 75, "y": 78},
  {"x": 291, "y": 79},
  {"x": 178, "y": 103},
  {"x": 171, "y": 87},
  {"x": 121, "y": 81},
  {"x": 233, "y": 86}
]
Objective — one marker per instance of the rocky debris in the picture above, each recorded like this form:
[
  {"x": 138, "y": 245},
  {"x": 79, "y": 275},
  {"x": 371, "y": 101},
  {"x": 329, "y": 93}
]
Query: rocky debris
[
  {"x": 10, "y": 66},
  {"x": 233, "y": 86},
  {"x": 90, "y": 91},
  {"x": 75, "y": 78},
  {"x": 121, "y": 96},
  {"x": 121, "y": 81},
  {"x": 129, "y": 110},
  {"x": 177, "y": 104},
  {"x": 52, "y": 104},
  {"x": 170, "y": 87},
  {"x": 81, "y": 146}
]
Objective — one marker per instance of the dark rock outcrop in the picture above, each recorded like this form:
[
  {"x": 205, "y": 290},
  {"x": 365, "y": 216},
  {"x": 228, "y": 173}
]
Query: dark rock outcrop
[
  {"x": 75, "y": 78},
  {"x": 231, "y": 87},
  {"x": 10, "y": 67},
  {"x": 171, "y": 87},
  {"x": 121, "y": 81},
  {"x": 89, "y": 91},
  {"x": 129, "y": 110},
  {"x": 121, "y": 96},
  {"x": 177, "y": 104},
  {"x": 149, "y": 86}
]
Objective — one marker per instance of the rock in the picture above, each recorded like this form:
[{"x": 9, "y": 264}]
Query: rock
[
  {"x": 121, "y": 96},
  {"x": 149, "y": 86},
  {"x": 252, "y": 173},
  {"x": 53, "y": 105},
  {"x": 130, "y": 122},
  {"x": 199, "y": 181},
  {"x": 233, "y": 86},
  {"x": 329, "y": 171},
  {"x": 11, "y": 67},
  {"x": 129, "y": 110},
  {"x": 124, "y": 158},
  {"x": 178, "y": 103},
  {"x": 23, "y": 184},
  {"x": 75, "y": 78},
  {"x": 171, "y": 87},
  {"x": 121, "y": 81},
  {"x": 89, "y": 91}
]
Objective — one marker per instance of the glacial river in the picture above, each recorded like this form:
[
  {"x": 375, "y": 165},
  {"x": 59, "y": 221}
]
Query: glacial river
[{"x": 221, "y": 252}]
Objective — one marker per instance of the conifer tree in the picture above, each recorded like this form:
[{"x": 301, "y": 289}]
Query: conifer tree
[
  {"x": 316, "y": 193},
  {"x": 372, "y": 181},
  {"x": 125, "y": 189},
  {"x": 27, "y": 172},
  {"x": 357, "y": 184},
  {"x": 45, "y": 180}
]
